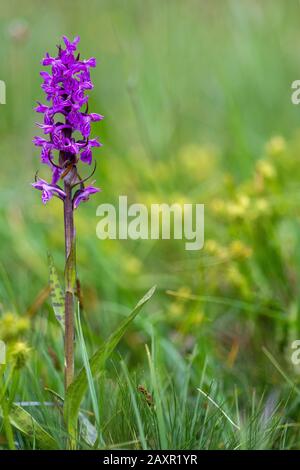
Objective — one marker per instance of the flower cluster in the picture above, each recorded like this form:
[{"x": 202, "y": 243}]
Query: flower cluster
[{"x": 64, "y": 116}]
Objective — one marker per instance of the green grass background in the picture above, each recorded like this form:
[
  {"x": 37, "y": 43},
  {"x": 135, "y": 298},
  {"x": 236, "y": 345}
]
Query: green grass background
[{"x": 193, "y": 93}]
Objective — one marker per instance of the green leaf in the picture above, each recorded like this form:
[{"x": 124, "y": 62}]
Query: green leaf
[
  {"x": 88, "y": 432},
  {"x": 57, "y": 295},
  {"x": 24, "y": 422},
  {"x": 58, "y": 398},
  {"x": 76, "y": 390}
]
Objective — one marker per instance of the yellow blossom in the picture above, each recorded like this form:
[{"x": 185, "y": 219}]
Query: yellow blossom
[
  {"x": 217, "y": 250},
  {"x": 212, "y": 246},
  {"x": 132, "y": 265},
  {"x": 218, "y": 206},
  {"x": 198, "y": 161},
  {"x": 266, "y": 169},
  {"x": 19, "y": 353},
  {"x": 275, "y": 146},
  {"x": 239, "y": 207},
  {"x": 239, "y": 250},
  {"x": 237, "y": 279},
  {"x": 175, "y": 309},
  {"x": 184, "y": 292},
  {"x": 262, "y": 206},
  {"x": 12, "y": 325}
]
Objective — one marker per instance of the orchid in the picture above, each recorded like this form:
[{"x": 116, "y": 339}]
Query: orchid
[
  {"x": 66, "y": 144},
  {"x": 65, "y": 91}
]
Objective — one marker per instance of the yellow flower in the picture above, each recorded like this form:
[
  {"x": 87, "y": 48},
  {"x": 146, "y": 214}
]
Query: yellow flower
[
  {"x": 244, "y": 201},
  {"x": 132, "y": 265},
  {"x": 218, "y": 206},
  {"x": 184, "y": 291},
  {"x": 235, "y": 210},
  {"x": 237, "y": 279},
  {"x": 212, "y": 246},
  {"x": 238, "y": 208},
  {"x": 19, "y": 353},
  {"x": 12, "y": 326},
  {"x": 175, "y": 309},
  {"x": 239, "y": 250},
  {"x": 275, "y": 146},
  {"x": 265, "y": 169},
  {"x": 197, "y": 318},
  {"x": 217, "y": 250},
  {"x": 198, "y": 161},
  {"x": 262, "y": 206}
]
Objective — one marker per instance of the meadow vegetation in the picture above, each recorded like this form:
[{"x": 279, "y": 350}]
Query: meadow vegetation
[{"x": 196, "y": 99}]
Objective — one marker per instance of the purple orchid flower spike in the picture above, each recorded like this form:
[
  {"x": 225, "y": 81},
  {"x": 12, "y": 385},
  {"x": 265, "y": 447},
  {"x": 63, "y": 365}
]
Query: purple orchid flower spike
[
  {"x": 65, "y": 88},
  {"x": 62, "y": 151}
]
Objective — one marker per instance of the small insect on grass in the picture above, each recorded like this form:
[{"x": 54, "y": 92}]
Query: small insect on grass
[{"x": 147, "y": 395}]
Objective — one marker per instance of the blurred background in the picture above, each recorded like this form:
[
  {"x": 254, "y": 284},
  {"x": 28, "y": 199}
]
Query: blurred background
[{"x": 197, "y": 103}]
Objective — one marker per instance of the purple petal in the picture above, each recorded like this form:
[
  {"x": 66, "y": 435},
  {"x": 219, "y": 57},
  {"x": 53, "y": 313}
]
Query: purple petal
[
  {"x": 48, "y": 190},
  {"x": 39, "y": 141},
  {"x": 71, "y": 46},
  {"x": 56, "y": 173},
  {"x": 86, "y": 156},
  {"x": 95, "y": 143},
  {"x": 96, "y": 117},
  {"x": 84, "y": 195},
  {"x": 41, "y": 108},
  {"x": 91, "y": 62}
]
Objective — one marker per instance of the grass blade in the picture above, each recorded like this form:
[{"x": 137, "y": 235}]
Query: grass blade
[
  {"x": 135, "y": 407},
  {"x": 89, "y": 375}
]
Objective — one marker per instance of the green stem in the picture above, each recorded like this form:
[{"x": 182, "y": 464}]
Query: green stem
[{"x": 70, "y": 275}]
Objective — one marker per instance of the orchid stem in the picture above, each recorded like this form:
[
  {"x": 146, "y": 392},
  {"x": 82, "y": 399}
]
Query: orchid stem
[{"x": 70, "y": 273}]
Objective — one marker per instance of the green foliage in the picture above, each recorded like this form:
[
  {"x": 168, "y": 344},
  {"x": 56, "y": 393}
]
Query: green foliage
[
  {"x": 24, "y": 422},
  {"x": 77, "y": 389},
  {"x": 197, "y": 109}
]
